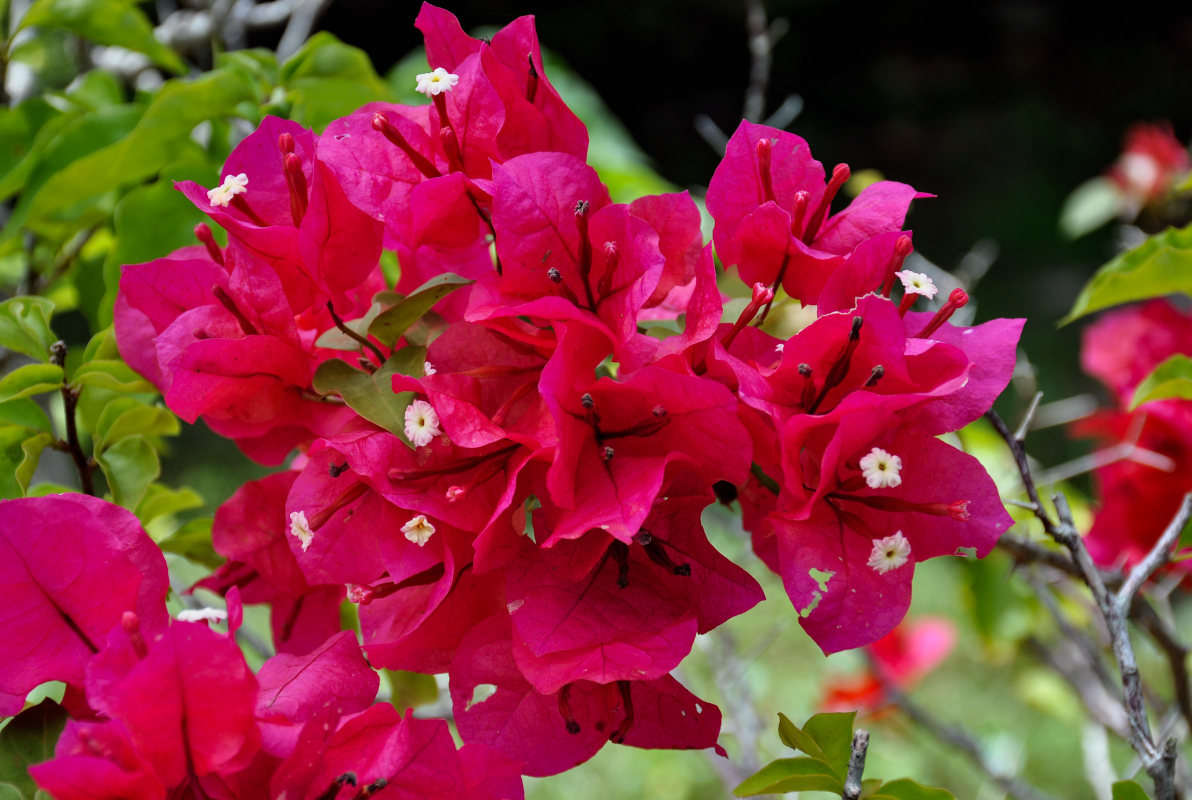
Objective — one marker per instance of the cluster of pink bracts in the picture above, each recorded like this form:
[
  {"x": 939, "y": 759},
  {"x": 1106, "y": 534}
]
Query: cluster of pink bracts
[{"x": 521, "y": 506}]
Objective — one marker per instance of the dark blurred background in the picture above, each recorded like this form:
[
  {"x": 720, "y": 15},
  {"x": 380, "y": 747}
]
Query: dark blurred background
[{"x": 999, "y": 108}]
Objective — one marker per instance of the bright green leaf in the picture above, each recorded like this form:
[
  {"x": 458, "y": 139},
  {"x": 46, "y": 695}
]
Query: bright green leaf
[
  {"x": 160, "y": 501},
  {"x": 1172, "y": 378},
  {"x": 791, "y": 775},
  {"x": 29, "y": 739},
  {"x": 193, "y": 541},
  {"x": 154, "y": 142},
  {"x": 328, "y": 79},
  {"x": 1161, "y": 265},
  {"x": 109, "y": 374},
  {"x": 25, "y": 326},
  {"x": 25, "y": 412},
  {"x": 29, "y": 380},
  {"x": 906, "y": 789},
  {"x": 110, "y": 22},
  {"x": 31, "y": 448},
  {"x": 372, "y": 396},
  {"x": 12, "y": 454},
  {"x": 130, "y": 465},
  {"x": 1129, "y": 790},
  {"x": 834, "y": 735},
  {"x": 125, "y": 416},
  {"x": 411, "y": 689},
  {"x": 793, "y": 737},
  {"x": 1091, "y": 205},
  {"x": 393, "y": 323},
  {"x": 96, "y": 88}
]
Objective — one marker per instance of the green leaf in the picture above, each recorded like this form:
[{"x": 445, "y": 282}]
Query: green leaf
[
  {"x": 25, "y": 412},
  {"x": 31, "y": 448},
  {"x": 160, "y": 501},
  {"x": 125, "y": 416},
  {"x": 110, "y": 22},
  {"x": 193, "y": 542},
  {"x": 335, "y": 339},
  {"x": 834, "y": 735},
  {"x": 1160, "y": 265},
  {"x": 372, "y": 396},
  {"x": 156, "y": 141},
  {"x": 1129, "y": 790},
  {"x": 411, "y": 689},
  {"x": 791, "y": 775},
  {"x": 328, "y": 79},
  {"x": 1172, "y": 378},
  {"x": 25, "y": 326},
  {"x": 1091, "y": 205},
  {"x": 794, "y": 738},
  {"x": 29, "y": 739},
  {"x": 29, "y": 380},
  {"x": 392, "y": 324},
  {"x": 906, "y": 789},
  {"x": 12, "y": 455},
  {"x": 19, "y": 127},
  {"x": 109, "y": 374},
  {"x": 130, "y": 465}
]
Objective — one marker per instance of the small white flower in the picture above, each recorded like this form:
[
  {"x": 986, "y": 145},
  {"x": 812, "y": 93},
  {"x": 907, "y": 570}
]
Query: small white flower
[
  {"x": 881, "y": 469},
  {"x": 232, "y": 185},
  {"x": 778, "y": 348},
  {"x": 917, "y": 283},
  {"x": 418, "y": 530},
  {"x": 300, "y": 529},
  {"x": 428, "y": 369},
  {"x": 437, "y": 82},
  {"x": 422, "y": 423},
  {"x": 889, "y": 553},
  {"x": 202, "y": 615}
]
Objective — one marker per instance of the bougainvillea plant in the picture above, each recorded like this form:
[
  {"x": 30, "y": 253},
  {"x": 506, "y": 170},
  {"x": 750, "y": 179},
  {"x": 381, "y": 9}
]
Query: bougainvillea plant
[{"x": 501, "y": 459}]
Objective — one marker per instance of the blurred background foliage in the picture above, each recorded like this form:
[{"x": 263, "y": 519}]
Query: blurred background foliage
[{"x": 999, "y": 108}]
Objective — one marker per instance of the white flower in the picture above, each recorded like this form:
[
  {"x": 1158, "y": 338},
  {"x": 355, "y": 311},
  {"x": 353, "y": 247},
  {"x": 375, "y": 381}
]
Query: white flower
[
  {"x": 778, "y": 348},
  {"x": 300, "y": 529},
  {"x": 418, "y": 530},
  {"x": 232, "y": 185},
  {"x": 437, "y": 82},
  {"x": 202, "y": 615},
  {"x": 422, "y": 423},
  {"x": 881, "y": 469},
  {"x": 917, "y": 283},
  {"x": 428, "y": 369},
  {"x": 889, "y": 553}
]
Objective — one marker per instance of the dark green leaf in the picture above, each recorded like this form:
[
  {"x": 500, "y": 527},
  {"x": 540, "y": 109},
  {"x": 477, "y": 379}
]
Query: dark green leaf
[
  {"x": 29, "y": 739},
  {"x": 25, "y": 326},
  {"x": 130, "y": 465},
  {"x": 18, "y": 130},
  {"x": 1172, "y": 378},
  {"x": 411, "y": 689},
  {"x": 25, "y": 412},
  {"x": 793, "y": 737},
  {"x": 29, "y": 380},
  {"x": 834, "y": 735},
  {"x": 372, "y": 396},
  {"x": 392, "y": 324},
  {"x": 1161, "y": 265},
  {"x": 328, "y": 79},
  {"x": 1129, "y": 790},
  {"x": 110, "y": 22},
  {"x": 193, "y": 541},
  {"x": 791, "y": 775},
  {"x": 906, "y": 789}
]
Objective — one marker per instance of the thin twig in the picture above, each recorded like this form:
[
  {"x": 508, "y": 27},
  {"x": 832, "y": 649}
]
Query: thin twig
[
  {"x": 351, "y": 334},
  {"x": 856, "y": 765},
  {"x": 1028, "y": 417},
  {"x": 1159, "y": 555},
  {"x": 70, "y": 401}
]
